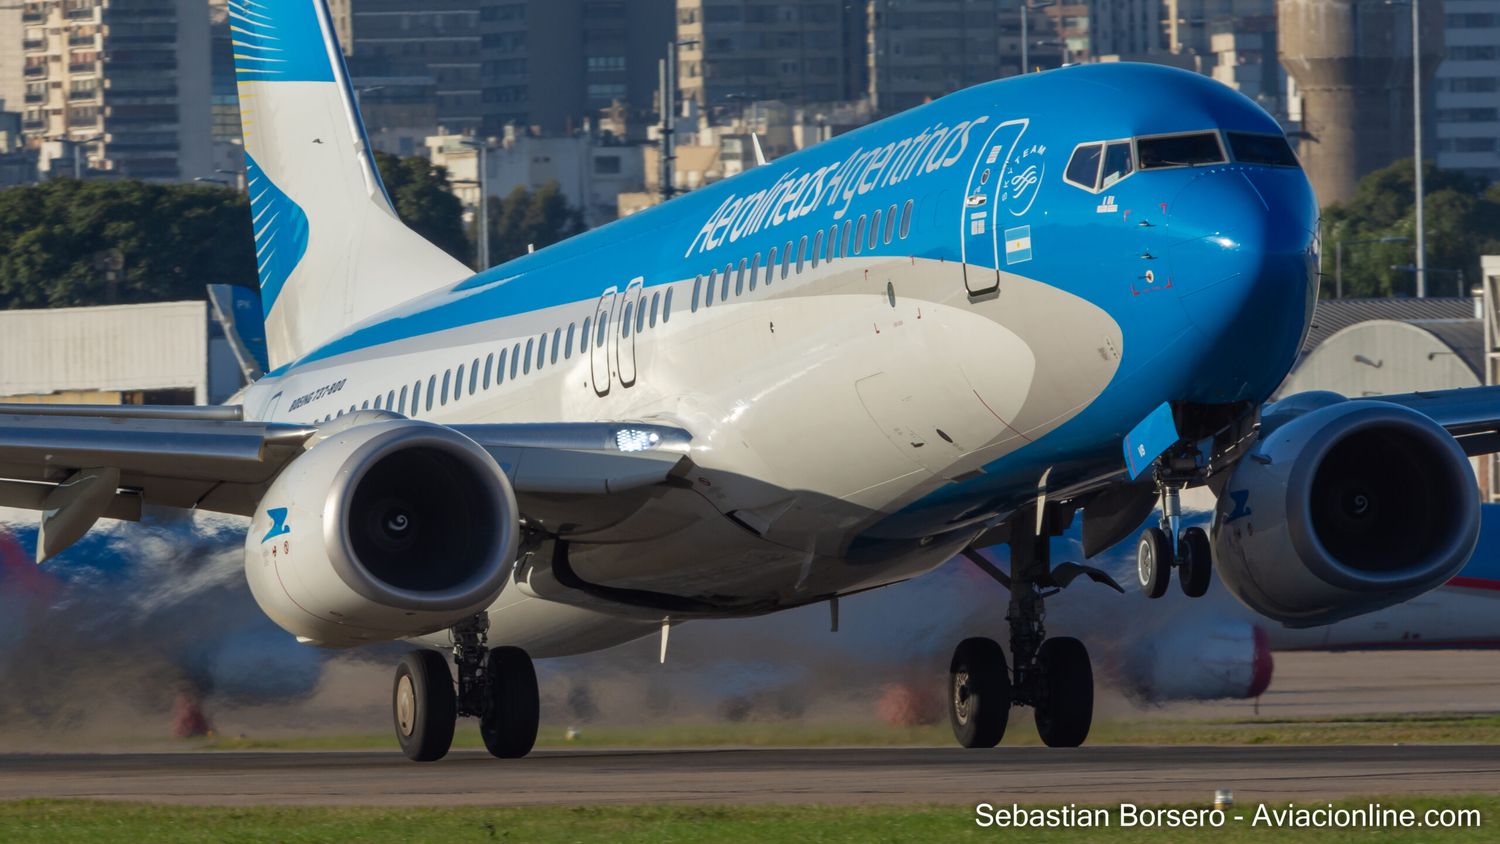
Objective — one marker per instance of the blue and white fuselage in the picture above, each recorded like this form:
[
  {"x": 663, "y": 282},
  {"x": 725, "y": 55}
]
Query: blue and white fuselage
[{"x": 884, "y": 343}]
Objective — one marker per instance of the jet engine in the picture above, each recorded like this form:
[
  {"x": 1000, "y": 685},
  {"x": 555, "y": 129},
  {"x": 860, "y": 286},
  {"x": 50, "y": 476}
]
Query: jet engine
[
  {"x": 1200, "y": 660},
  {"x": 385, "y": 528},
  {"x": 1344, "y": 507}
]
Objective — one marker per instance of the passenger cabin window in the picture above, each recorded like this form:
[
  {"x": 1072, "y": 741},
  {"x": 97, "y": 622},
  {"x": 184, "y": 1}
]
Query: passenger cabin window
[
  {"x": 708, "y": 291},
  {"x": 833, "y": 241},
  {"x": 431, "y": 388},
  {"x": 556, "y": 341},
  {"x": 640, "y": 316},
  {"x": 754, "y": 271},
  {"x": 906, "y": 219},
  {"x": 401, "y": 403},
  {"x": 443, "y": 396},
  {"x": 801, "y": 253},
  {"x": 875, "y": 230},
  {"x": 1179, "y": 150},
  {"x": 666, "y": 306},
  {"x": 583, "y": 336},
  {"x": 1261, "y": 149},
  {"x": 1118, "y": 163},
  {"x": 489, "y": 369},
  {"x": 515, "y": 361},
  {"x": 739, "y": 279},
  {"x": 500, "y": 370},
  {"x": 786, "y": 260},
  {"x": 625, "y": 325},
  {"x": 1083, "y": 167},
  {"x": 817, "y": 250},
  {"x": 603, "y": 333},
  {"x": 724, "y": 288},
  {"x": 844, "y": 242},
  {"x": 697, "y": 289},
  {"x": 771, "y": 267},
  {"x": 890, "y": 224},
  {"x": 655, "y": 306},
  {"x": 541, "y": 351},
  {"x": 568, "y": 343},
  {"x": 859, "y": 234}
]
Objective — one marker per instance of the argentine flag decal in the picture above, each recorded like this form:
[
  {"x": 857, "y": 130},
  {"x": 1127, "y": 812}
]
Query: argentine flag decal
[{"x": 1018, "y": 244}]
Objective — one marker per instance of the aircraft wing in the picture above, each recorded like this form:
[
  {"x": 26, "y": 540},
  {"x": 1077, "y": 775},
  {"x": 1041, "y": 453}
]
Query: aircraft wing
[
  {"x": 1470, "y": 414},
  {"x": 79, "y": 463}
]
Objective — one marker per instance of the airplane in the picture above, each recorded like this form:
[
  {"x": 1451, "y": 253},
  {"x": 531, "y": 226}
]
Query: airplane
[{"x": 958, "y": 327}]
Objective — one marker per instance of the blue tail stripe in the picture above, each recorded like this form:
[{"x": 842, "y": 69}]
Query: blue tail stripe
[
  {"x": 281, "y": 233},
  {"x": 279, "y": 41}
]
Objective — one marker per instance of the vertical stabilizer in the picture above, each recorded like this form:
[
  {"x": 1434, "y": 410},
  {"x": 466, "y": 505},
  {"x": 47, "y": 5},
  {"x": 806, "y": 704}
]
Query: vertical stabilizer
[{"x": 330, "y": 249}]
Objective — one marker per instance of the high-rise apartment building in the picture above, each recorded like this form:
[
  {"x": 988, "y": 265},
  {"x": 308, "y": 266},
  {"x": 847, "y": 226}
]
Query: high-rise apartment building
[
  {"x": 743, "y": 51},
  {"x": 1468, "y": 89},
  {"x": 125, "y": 82},
  {"x": 554, "y": 64},
  {"x": 394, "y": 45},
  {"x": 919, "y": 50}
]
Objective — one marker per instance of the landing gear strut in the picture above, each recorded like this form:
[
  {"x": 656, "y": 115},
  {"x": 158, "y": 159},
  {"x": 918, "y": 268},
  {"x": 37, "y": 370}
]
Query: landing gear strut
[
  {"x": 1053, "y": 676},
  {"x": 496, "y": 686},
  {"x": 1157, "y": 554}
]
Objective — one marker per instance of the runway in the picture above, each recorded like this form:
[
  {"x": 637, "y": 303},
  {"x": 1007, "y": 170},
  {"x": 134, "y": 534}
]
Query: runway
[{"x": 1028, "y": 776}]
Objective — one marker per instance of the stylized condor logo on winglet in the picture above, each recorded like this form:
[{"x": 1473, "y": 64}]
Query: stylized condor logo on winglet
[{"x": 278, "y": 524}]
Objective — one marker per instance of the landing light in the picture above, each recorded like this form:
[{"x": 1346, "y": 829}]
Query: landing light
[{"x": 630, "y": 439}]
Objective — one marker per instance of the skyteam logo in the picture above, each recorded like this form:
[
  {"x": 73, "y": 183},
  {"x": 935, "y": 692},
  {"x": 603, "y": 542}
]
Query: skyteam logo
[
  {"x": 278, "y": 524},
  {"x": 1023, "y": 180}
]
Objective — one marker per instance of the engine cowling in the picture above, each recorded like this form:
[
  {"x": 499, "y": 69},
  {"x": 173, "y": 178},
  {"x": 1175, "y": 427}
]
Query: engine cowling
[
  {"x": 1344, "y": 507},
  {"x": 1199, "y": 660},
  {"x": 385, "y": 528}
]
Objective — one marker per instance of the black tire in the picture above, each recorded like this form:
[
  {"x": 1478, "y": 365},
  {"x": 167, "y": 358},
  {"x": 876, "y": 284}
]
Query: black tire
[
  {"x": 1153, "y": 562},
  {"x": 1065, "y": 704},
  {"x": 424, "y": 706},
  {"x": 1197, "y": 562},
  {"x": 512, "y": 712},
  {"x": 978, "y": 693}
]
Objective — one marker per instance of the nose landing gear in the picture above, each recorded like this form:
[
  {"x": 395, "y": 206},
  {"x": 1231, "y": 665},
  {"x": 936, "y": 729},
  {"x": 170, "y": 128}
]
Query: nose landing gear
[
  {"x": 496, "y": 686},
  {"x": 1156, "y": 555},
  {"x": 1053, "y": 676}
]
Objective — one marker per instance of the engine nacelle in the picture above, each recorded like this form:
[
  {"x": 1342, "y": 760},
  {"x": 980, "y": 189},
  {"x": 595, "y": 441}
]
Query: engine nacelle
[
  {"x": 1342, "y": 508},
  {"x": 1199, "y": 660},
  {"x": 384, "y": 529}
]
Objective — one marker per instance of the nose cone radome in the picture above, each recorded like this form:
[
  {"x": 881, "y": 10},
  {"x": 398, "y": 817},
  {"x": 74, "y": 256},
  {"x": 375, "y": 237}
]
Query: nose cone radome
[{"x": 1244, "y": 260}]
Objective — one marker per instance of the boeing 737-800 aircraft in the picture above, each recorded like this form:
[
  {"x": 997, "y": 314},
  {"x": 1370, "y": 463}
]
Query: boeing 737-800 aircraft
[{"x": 958, "y": 327}]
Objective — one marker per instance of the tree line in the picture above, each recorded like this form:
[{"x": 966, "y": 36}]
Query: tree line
[{"x": 69, "y": 243}]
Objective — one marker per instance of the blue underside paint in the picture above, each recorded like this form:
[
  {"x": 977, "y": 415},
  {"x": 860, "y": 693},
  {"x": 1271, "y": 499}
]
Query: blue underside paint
[{"x": 1146, "y": 441}]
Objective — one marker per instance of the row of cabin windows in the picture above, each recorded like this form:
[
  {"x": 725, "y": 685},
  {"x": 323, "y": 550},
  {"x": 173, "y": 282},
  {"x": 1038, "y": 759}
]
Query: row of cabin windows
[
  {"x": 539, "y": 352},
  {"x": 853, "y": 238}
]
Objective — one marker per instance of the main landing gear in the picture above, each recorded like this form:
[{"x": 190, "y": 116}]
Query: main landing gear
[
  {"x": 1156, "y": 554},
  {"x": 498, "y": 686},
  {"x": 1053, "y": 676}
]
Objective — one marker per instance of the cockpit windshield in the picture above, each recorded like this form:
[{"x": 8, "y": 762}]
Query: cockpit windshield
[
  {"x": 1261, "y": 149},
  {"x": 1179, "y": 150}
]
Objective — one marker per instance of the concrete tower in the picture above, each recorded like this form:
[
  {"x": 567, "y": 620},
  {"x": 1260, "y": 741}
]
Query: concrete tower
[{"x": 1352, "y": 63}]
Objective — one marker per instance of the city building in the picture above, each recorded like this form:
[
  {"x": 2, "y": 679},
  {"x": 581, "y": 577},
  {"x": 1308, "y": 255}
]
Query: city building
[
  {"x": 919, "y": 51},
  {"x": 554, "y": 65},
  {"x": 1352, "y": 64},
  {"x": 127, "y": 79},
  {"x": 17, "y": 164},
  {"x": 1468, "y": 89},
  {"x": 591, "y": 169},
  {"x": 436, "y": 40},
  {"x": 794, "y": 51}
]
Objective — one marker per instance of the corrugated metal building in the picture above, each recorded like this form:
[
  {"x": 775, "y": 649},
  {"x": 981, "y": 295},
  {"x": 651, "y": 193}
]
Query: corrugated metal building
[
  {"x": 165, "y": 353},
  {"x": 1372, "y": 347}
]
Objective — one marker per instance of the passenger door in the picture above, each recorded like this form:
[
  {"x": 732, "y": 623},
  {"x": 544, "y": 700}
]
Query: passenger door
[
  {"x": 598, "y": 343},
  {"x": 625, "y": 336},
  {"x": 980, "y": 245}
]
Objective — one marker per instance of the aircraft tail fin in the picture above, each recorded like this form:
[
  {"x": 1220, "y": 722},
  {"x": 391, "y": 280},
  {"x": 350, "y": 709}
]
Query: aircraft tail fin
[{"x": 330, "y": 250}]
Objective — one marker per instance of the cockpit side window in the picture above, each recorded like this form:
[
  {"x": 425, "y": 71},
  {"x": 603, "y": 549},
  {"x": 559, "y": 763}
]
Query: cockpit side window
[
  {"x": 1118, "y": 163},
  {"x": 1187, "y": 150},
  {"x": 1261, "y": 149},
  {"x": 1083, "y": 167}
]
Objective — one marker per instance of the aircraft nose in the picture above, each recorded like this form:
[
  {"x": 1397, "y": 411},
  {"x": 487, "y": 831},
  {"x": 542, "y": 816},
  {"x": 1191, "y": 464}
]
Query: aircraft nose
[{"x": 1244, "y": 261}]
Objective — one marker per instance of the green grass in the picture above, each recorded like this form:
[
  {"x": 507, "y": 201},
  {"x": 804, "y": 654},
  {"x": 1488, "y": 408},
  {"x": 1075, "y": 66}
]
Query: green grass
[
  {"x": 51, "y": 821},
  {"x": 1450, "y": 728}
]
